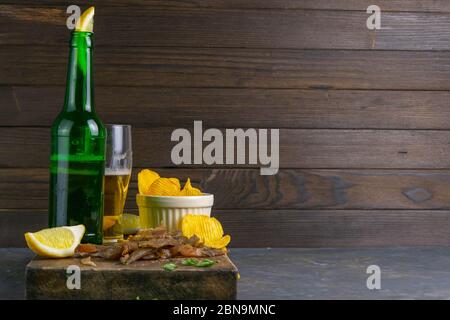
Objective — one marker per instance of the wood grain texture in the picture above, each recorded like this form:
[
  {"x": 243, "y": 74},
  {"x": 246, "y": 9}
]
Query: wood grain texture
[
  {"x": 364, "y": 117},
  {"x": 409, "y": 273},
  {"x": 336, "y": 228},
  {"x": 219, "y": 28},
  {"x": 292, "y": 228},
  {"x": 145, "y": 280},
  {"x": 15, "y": 223},
  {"x": 358, "y": 5},
  {"x": 263, "y": 108},
  {"x": 235, "y": 68},
  {"x": 290, "y": 189},
  {"x": 299, "y": 148}
]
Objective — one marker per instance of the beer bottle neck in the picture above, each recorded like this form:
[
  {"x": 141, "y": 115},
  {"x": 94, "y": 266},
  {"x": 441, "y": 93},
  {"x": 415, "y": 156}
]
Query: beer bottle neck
[{"x": 80, "y": 81}]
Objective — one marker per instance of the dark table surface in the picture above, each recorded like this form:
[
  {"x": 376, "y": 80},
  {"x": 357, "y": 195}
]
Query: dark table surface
[{"x": 406, "y": 273}]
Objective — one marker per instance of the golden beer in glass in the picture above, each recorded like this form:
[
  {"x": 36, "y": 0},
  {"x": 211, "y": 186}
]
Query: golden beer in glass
[
  {"x": 117, "y": 180},
  {"x": 116, "y": 189}
]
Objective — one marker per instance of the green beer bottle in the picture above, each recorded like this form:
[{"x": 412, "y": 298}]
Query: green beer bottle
[{"x": 77, "y": 160}]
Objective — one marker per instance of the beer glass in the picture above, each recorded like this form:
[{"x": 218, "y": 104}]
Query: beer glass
[{"x": 117, "y": 178}]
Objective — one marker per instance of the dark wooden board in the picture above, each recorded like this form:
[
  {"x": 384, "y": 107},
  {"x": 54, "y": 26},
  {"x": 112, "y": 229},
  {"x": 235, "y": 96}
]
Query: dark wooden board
[
  {"x": 407, "y": 273},
  {"x": 335, "y": 228},
  {"x": 359, "y": 5},
  {"x": 251, "y": 64},
  {"x": 234, "y": 68},
  {"x": 290, "y": 189},
  {"x": 187, "y": 27},
  {"x": 224, "y": 107},
  {"x": 144, "y": 280},
  {"x": 299, "y": 148},
  {"x": 325, "y": 273},
  {"x": 15, "y": 223},
  {"x": 291, "y": 228}
]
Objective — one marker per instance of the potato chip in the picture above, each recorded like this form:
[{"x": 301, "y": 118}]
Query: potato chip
[
  {"x": 176, "y": 181},
  {"x": 189, "y": 190},
  {"x": 164, "y": 187},
  {"x": 146, "y": 178},
  {"x": 208, "y": 230},
  {"x": 218, "y": 243}
]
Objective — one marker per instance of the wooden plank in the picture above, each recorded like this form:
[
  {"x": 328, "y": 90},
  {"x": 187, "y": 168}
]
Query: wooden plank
[
  {"x": 407, "y": 273},
  {"x": 14, "y": 224},
  {"x": 267, "y": 108},
  {"x": 235, "y": 68},
  {"x": 360, "y": 5},
  {"x": 299, "y": 148},
  {"x": 294, "y": 29},
  {"x": 335, "y": 228},
  {"x": 145, "y": 280},
  {"x": 293, "y": 228},
  {"x": 290, "y": 189}
]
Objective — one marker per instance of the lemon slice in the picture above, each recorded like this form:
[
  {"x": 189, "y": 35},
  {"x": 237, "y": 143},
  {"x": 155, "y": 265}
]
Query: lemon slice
[
  {"x": 55, "y": 242},
  {"x": 86, "y": 21},
  {"x": 130, "y": 223}
]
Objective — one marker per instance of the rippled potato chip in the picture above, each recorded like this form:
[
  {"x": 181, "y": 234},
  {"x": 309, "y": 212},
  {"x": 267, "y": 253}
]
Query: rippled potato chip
[
  {"x": 146, "y": 178},
  {"x": 208, "y": 230},
  {"x": 218, "y": 243},
  {"x": 164, "y": 187},
  {"x": 189, "y": 190},
  {"x": 176, "y": 181}
]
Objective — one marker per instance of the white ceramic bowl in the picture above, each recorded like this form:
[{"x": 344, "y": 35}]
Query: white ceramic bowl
[{"x": 168, "y": 211}]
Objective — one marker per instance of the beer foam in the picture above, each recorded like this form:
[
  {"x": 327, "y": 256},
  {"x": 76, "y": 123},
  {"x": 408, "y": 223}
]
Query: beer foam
[{"x": 117, "y": 172}]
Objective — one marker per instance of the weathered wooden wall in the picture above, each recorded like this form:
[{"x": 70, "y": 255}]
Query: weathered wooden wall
[{"x": 364, "y": 115}]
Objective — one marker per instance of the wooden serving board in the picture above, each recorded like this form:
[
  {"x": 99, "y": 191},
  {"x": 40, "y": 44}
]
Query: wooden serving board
[{"x": 47, "y": 279}]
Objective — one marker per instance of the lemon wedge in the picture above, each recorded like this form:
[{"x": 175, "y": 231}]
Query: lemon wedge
[
  {"x": 130, "y": 223},
  {"x": 55, "y": 242},
  {"x": 86, "y": 21}
]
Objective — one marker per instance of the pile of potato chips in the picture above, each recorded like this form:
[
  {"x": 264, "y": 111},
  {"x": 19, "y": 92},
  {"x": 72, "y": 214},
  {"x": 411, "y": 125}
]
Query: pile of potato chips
[
  {"x": 208, "y": 230},
  {"x": 150, "y": 183}
]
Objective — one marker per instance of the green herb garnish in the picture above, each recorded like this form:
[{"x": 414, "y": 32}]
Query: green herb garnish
[
  {"x": 205, "y": 263},
  {"x": 169, "y": 266},
  {"x": 189, "y": 262}
]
